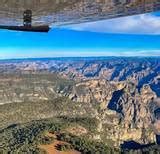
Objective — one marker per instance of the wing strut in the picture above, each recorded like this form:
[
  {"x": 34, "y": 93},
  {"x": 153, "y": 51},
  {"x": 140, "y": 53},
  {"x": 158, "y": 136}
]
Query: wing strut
[{"x": 27, "y": 24}]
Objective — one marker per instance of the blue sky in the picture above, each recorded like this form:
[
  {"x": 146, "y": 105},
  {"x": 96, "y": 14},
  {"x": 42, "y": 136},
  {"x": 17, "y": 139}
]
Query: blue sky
[{"x": 129, "y": 36}]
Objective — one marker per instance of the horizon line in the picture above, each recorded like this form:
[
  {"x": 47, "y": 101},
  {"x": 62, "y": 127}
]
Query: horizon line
[{"x": 73, "y": 57}]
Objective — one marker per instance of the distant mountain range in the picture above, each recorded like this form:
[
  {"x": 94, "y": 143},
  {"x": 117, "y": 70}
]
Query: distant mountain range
[{"x": 139, "y": 71}]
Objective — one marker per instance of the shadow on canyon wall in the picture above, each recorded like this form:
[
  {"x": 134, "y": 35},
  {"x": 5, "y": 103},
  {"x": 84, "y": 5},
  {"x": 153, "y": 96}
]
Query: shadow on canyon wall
[{"x": 132, "y": 145}]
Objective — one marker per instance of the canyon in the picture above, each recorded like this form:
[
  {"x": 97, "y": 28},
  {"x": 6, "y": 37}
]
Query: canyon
[{"x": 121, "y": 94}]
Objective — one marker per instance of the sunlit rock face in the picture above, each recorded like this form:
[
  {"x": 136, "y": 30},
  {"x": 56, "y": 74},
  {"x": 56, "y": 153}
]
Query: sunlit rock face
[{"x": 61, "y": 12}]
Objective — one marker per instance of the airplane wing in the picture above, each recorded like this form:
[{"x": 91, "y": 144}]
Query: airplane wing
[{"x": 62, "y": 12}]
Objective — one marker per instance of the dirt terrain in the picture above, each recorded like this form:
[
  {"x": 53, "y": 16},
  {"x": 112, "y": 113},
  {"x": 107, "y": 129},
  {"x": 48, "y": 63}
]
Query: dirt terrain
[{"x": 52, "y": 148}]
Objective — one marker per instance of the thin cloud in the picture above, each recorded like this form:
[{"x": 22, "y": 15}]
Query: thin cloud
[
  {"x": 139, "y": 24},
  {"x": 17, "y": 53}
]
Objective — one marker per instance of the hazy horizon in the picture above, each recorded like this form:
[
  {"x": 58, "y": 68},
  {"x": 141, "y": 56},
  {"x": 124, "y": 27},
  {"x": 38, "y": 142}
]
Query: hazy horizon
[{"x": 79, "y": 57}]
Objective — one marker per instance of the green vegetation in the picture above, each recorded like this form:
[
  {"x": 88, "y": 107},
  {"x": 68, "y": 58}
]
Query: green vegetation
[
  {"x": 45, "y": 140},
  {"x": 152, "y": 149},
  {"x": 87, "y": 122},
  {"x": 64, "y": 147},
  {"x": 25, "y": 138},
  {"x": 28, "y": 111},
  {"x": 84, "y": 145}
]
